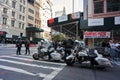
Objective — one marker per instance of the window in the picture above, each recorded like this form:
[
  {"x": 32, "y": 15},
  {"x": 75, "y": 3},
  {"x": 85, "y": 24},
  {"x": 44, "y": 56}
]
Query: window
[
  {"x": 5, "y": 10},
  {"x": 20, "y": 8},
  {"x": 30, "y": 24},
  {"x": 20, "y": 16},
  {"x": 23, "y": 9},
  {"x": 30, "y": 17},
  {"x": 98, "y": 7},
  {"x": 24, "y": 2},
  {"x": 13, "y": 14},
  {"x": 12, "y": 23},
  {"x": 19, "y": 25},
  {"x": 21, "y": 1},
  {"x": 23, "y": 18},
  {"x": 113, "y": 5},
  {"x": 5, "y": 1},
  {"x": 13, "y": 4},
  {"x": 31, "y": 2},
  {"x": 22, "y": 26},
  {"x": 4, "y": 20},
  {"x": 31, "y": 11}
]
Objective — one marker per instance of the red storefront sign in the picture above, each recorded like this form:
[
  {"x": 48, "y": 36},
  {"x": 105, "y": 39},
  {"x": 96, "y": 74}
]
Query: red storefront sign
[
  {"x": 51, "y": 21},
  {"x": 99, "y": 34},
  {"x": 1, "y": 32}
]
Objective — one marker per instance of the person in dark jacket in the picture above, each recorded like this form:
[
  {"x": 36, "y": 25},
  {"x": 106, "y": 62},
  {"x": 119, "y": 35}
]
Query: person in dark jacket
[
  {"x": 68, "y": 45},
  {"x": 18, "y": 45},
  {"x": 27, "y": 46}
]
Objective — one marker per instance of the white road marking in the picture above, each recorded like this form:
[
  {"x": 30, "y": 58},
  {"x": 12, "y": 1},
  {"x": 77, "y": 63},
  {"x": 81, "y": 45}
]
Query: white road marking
[
  {"x": 32, "y": 65},
  {"x": 46, "y": 76},
  {"x": 117, "y": 63},
  {"x": 16, "y": 70},
  {"x": 33, "y": 60},
  {"x": 52, "y": 75}
]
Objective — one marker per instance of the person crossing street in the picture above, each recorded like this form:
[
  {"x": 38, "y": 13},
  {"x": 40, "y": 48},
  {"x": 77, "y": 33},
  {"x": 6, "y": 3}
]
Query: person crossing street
[
  {"x": 18, "y": 45},
  {"x": 27, "y": 47}
]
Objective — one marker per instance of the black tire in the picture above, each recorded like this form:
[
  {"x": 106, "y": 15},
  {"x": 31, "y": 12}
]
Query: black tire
[
  {"x": 70, "y": 62},
  {"x": 101, "y": 68},
  {"x": 35, "y": 56}
]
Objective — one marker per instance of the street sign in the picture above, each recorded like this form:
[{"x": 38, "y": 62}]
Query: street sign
[{"x": 99, "y": 34}]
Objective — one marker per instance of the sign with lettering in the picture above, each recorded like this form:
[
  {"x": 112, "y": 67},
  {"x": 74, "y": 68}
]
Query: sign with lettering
[
  {"x": 96, "y": 22},
  {"x": 75, "y": 15},
  {"x": 99, "y": 34},
  {"x": 62, "y": 18},
  {"x": 117, "y": 20},
  {"x": 1, "y": 32}
]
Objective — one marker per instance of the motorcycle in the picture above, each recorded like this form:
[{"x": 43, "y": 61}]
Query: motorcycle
[
  {"x": 49, "y": 54},
  {"x": 42, "y": 53},
  {"x": 82, "y": 54}
]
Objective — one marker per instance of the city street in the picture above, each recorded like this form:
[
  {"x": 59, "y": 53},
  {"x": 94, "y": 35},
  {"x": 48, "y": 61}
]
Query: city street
[
  {"x": 70, "y": 39},
  {"x": 23, "y": 67}
]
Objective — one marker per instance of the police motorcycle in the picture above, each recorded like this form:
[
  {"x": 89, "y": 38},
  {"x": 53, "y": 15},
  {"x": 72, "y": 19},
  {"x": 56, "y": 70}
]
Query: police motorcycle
[
  {"x": 49, "y": 53},
  {"x": 81, "y": 54},
  {"x": 58, "y": 54}
]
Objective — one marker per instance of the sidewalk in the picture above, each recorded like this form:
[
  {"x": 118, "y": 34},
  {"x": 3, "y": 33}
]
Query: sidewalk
[
  {"x": 7, "y": 46},
  {"x": 13, "y": 45}
]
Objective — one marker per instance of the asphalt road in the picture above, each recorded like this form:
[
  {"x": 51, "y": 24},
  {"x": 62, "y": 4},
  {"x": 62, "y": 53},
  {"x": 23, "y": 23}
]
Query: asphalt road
[
  {"x": 87, "y": 73},
  {"x": 23, "y": 67}
]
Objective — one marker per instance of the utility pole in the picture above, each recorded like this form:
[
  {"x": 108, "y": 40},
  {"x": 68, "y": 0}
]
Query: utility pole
[{"x": 73, "y": 5}]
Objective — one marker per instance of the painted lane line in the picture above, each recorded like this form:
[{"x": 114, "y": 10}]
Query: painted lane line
[
  {"x": 33, "y": 60},
  {"x": 30, "y": 57},
  {"x": 52, "y": 75},
  {"x": 32, "y": 65},
  {"x": 16, "y": 70},
  {"x": 117, "y": 63},
  {"x": 22, "y": 71}
]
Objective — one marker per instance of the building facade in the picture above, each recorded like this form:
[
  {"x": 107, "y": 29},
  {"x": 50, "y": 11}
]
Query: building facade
[
  {"x": 38, "y": 5},
  {"x": 13, "y": 17},
  {"x": 46, "y": 13},
  {"x": 30, "y": 13},
  {"x": 27, "y": 18},
  {"x": 102, "y": 15}
]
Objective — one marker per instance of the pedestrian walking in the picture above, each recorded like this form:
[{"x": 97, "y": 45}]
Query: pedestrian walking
[
  {"x": 113, "y": 52},
  {"x": 107, "y": 50},
  {"x": 18, "y": 45},
  {"x": 27, "y": 47}
]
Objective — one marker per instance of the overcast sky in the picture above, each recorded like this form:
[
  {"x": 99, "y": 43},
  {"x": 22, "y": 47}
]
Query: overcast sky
[{"x": 59, "y": 4}]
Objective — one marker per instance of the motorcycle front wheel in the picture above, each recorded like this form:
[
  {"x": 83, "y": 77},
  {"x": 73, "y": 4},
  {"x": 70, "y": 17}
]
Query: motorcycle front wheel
[
  {"x": 35, "y": 56},
  {"x": 70, "y": 62}
]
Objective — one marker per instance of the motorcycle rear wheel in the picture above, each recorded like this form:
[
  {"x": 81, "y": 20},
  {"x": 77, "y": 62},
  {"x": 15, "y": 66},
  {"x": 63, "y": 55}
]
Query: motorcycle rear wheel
[{"x": 70, "y": 62}]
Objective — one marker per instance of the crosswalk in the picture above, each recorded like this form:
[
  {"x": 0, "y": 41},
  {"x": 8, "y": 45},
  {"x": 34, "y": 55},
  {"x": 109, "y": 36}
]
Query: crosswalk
[
  {"x": 116, "y": 63},
  {"x": 25, "y": 65}
]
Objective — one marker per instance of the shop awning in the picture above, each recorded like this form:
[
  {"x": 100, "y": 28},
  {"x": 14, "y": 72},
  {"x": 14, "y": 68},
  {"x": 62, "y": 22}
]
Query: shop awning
[
  {"x": 38, "y": 39},
  {"x": 34, "y": 29},
  {"x": 24, "y": 37},
  {"x": 3, "y": 33},
  {"x": 15, "y": 36}
]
